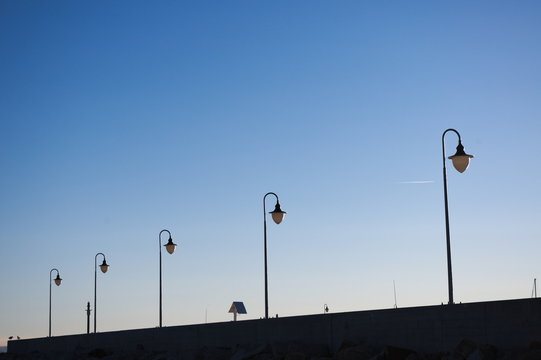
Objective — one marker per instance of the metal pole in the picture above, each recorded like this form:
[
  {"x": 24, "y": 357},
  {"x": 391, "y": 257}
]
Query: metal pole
[
  {"x": 394, "y": 288},
  {"x": 160, "y": 279},
  {"x": 448, "y": 239},
  {"x": 95, "y": 286},
  {"x": 265, "y": 247},
  {"x": 88, "y": 317},
  {"x": 50, "y": 296},
  {"x": 50, "y": 291},
  {"x": 447, "y": 228},
  {"x": 160, "y": 248},
  {"x": 95, "y": 291}
]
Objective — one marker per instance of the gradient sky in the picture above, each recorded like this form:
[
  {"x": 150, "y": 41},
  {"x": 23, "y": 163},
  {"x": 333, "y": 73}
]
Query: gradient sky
[{"x": 122, "y": 118}]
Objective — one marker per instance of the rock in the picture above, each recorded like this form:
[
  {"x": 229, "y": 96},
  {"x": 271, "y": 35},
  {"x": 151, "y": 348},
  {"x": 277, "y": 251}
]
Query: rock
[
  {"x": 535, "y": 345},
  {"x": 98, "y": 353},
  {"x": 487, "y": 352},
  {"x": 279, "y": 349},
  {"x": 531, "y": 355},
  {"x": 165, "y": 356},
  {"x": 475, "y": 355},
  {"x": 347, "y": 344},
  {"x": 310, "y": 350},
  {"x": 468, "y": 350},
  {"x": 510, "y": 354},
  {"x": 464, "y": 349},
  {"x": 296, "y": 356},
  {"x": 263, "y": 356},
  {"x": 242, "y": 353},
  {"x": 357, "y": 352},
  {"x": 396, "y": 353},
  {"x": 415, "y": 356},
  {"x": 215, "y": 353}
]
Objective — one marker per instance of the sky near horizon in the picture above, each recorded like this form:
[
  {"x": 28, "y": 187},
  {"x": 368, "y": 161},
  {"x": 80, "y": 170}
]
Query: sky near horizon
[{"x": 119, "y": 119}]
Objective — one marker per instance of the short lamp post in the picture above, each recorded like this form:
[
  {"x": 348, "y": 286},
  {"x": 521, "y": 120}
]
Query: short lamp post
[
  {"x": 277, "y": 215},
  {"x": 57, "y": 281},
  {"x": 103, "y": 267},
  {"x": 461, "y": 160},
  {"x": 170, "y": 247}
]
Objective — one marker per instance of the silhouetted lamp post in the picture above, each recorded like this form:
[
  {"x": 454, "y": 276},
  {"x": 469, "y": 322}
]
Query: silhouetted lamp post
[
  {"x": 103, "y": 267},
  {"x": 461, "y": 160},
  {"x": 57, "y": 281},
  {"x": 277, "y": 215},
  {"x": 170, "y": 247}
]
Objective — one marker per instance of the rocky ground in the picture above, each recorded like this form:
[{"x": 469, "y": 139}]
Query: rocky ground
[{"x": 465, "y": 350}]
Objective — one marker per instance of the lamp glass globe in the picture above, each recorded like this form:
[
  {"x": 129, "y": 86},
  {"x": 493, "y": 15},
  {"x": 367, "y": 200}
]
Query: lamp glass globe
[
  {"x": 104, "y": 267},
  {"x": 278, "y": 216},
  {"x": 170, "y": 246},
  {"x": 460, "y": 162}
]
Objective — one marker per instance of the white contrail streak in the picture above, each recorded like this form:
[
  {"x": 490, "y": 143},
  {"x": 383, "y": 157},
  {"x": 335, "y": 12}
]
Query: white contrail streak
[{"x": 417, "y": 182}]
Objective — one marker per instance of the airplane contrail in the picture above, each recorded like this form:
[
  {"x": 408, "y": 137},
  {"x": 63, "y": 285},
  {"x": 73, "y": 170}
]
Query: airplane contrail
[{"x": 417, "y": 182}]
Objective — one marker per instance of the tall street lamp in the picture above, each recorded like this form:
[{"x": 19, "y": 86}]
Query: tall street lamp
[
  {"x": 170, "y": 247},
  {"x": 461, "y": 160},
  {"x": 103, "y": 267},
  {"x": 57, "y": 281},
  {"x": 277, "y": 215}
]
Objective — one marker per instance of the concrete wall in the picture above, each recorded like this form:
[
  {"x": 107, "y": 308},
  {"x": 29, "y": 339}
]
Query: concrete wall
[{"x": 505, "y": 324}]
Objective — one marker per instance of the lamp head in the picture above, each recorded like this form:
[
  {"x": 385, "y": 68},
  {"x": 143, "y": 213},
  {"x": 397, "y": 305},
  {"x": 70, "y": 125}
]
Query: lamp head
[
  {"x": 104, "y": 267},
  {"x": 460, "y": 159},
  {"x": 170, "y": 246},
  {"x": 58, "y": 280},
  {"x": 277, "y": 214}
]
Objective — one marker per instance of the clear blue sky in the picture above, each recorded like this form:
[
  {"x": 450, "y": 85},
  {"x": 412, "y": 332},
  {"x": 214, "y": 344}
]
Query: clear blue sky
[{"x": 122, "y": 118}]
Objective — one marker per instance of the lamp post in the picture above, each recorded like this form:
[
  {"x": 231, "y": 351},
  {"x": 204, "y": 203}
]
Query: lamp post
[
  {"x": 103, "y": 267},
  {"x": 57, "y": 281},
  {"x": 170, "y": 247},
  {"x": 461, "y": 160},
  {"x": 88, "y": 317},
  {"x": 277, "y": 215}
]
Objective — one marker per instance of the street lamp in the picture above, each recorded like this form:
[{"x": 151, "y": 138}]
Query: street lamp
[
  {"x": 103, "y": 267},
  {"x": 57, "y": 281},
  {"x": 170, "y": 247},
  {"x": 277, "y": 215},
  {"x": 461, "y": 160}
]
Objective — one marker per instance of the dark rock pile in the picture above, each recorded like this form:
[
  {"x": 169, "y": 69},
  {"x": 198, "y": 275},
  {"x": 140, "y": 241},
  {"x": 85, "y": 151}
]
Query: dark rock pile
[{"x": 465, "y": 350}]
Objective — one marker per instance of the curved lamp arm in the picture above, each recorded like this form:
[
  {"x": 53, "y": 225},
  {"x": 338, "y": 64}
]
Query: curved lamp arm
[
  {"x": 170, "y": 246},
  {"x": 104, "y": 266},
  {"x": 57, "y": 280},
  {"x": 277, "y": 214}
]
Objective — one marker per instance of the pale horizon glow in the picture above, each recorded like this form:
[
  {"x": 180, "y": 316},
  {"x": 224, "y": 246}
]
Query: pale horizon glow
[{"x": 120, "y": 119}]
